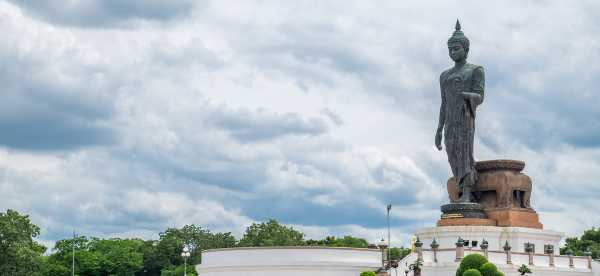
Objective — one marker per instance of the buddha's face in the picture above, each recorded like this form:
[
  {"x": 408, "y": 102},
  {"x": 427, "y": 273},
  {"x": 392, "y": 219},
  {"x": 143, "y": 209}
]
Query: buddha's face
[{"x": 457, "y": 52}]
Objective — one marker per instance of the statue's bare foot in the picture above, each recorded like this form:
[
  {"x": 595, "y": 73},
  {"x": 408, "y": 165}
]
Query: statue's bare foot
[{"x": 464, "y": 199}]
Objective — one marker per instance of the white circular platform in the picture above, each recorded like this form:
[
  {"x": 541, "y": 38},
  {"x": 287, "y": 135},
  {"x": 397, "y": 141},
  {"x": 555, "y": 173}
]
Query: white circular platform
[
  {"x": 496, "y": 236},
  {"x": 290, "y": 261}
]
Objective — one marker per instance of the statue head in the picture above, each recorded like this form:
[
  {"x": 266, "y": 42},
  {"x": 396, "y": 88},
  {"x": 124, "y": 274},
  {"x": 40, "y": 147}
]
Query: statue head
[{"x": 458, "y": 45}]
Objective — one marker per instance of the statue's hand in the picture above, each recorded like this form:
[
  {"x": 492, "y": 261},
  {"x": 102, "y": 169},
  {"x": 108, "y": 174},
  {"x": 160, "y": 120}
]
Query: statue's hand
[
  {"x": 470, "y": 95},
  {"x": 438, "y": 140}
]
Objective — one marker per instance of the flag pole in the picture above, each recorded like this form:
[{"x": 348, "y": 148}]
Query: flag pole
[
  {"x": 389, "y": 207},
  {"x": 73, "y": 255}
]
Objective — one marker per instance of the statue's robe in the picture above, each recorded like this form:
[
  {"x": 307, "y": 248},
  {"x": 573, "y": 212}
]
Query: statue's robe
[{"x": 459, "y": 125}]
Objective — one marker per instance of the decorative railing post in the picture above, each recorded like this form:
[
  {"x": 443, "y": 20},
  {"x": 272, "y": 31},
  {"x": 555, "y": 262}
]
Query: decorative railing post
[
  {"x": 569, "y": 253},
  {"x": 507, "y": 251},
  {"x": 484, "y": 247},
  {"x": 529, "y": 250},
  {"x": 419, "y": 246},
  {"x": 460, "y": 250},
  {"x": 549, "y": 249},
  {"x": 434, "y": 247},
  {"x": 588, "y": 254}
]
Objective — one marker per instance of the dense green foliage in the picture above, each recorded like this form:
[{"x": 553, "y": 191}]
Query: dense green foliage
[
  {"x": 19, "y": 253},
  {"x": 161, "y": 257},
  {"x": 471, "y": 272},
  {"x": 471, "y": 261},
  {"x": 346, "y": 241},
  {"x": 589, "y": 241},
  {"x": 477, "y": 265},
  {"x": 96, "y": 257},
  {"x": 178, "y": 271},
  {"x": 367, "y": 273},
  {"x": 488, "y": 269},
  {"x": 399, "y": 253},
  {"x": 271, "y": 233}
]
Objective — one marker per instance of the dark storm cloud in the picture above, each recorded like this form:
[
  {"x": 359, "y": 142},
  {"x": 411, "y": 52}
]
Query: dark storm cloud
[
  {"x": 301, "y": 211},
  {"x": 232, "y": 175},
  {"x": 107, "y": 13},
  {"x": 43, "y": 109},
  {"x": 545, "y": 110},
  {"x": 53, "y": 132},
  {"x": 247, "y": 126}
]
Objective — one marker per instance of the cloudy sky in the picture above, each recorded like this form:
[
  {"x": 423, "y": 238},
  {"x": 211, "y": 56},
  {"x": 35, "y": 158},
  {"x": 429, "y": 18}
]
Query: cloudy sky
[{"x": 123, "y": 118}]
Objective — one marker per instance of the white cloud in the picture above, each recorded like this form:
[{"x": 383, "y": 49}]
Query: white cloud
[{"x": 317, "y": 114}]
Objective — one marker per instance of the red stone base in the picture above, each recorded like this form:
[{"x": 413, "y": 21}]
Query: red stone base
[
  {"x": 511, "y": 217},
  {"x": 466, "y": 222},
  {"x": 515, "y": 217}
]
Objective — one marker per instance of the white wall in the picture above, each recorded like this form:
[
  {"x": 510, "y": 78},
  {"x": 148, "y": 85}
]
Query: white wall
[
  {"x": 289, "y": 261},
  {"x": 447, "y": 236},
  {"x": 596, "y": 268}
]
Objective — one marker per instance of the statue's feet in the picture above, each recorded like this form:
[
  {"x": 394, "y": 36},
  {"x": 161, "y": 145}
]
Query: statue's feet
[{"x": 464, "y": 199}]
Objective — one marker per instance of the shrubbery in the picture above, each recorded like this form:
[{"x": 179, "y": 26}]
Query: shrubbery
[
  {"x": 471, "y": 261},
  {"x": 488, "y": 269},
  {"x": 524, "y": 269},
  {"x": 477, "y": 265},
  {"x": 367, "y": 273},
  {"x": 471, "y": 272}
]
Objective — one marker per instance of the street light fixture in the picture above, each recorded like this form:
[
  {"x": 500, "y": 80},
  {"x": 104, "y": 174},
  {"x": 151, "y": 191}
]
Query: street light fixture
[
  {"x": 382, "y": 246},
  {"x": 185, "y": 254}
]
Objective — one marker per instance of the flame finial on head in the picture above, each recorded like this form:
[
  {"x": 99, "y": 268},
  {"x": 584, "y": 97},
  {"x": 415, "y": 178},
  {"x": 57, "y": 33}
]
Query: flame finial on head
[{"x": 459, "y": 36}]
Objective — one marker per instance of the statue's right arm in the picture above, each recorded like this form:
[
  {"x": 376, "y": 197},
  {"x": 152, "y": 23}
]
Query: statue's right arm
[{"x": 442, "y": 119}]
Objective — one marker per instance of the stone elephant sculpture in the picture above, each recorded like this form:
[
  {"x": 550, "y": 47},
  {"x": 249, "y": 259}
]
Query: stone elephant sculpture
[{"x": 498, "y": 186}]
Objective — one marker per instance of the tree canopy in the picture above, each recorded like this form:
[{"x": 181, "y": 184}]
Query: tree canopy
[
  {"x": 398, "y": 253},
  {"x": 588, "y": 242},
  {"x": 95, "y": 256},
  {"x": 19, "y": 253},
  {"x": 346, "y": 241},
  {"x": 271, "y": 233}
]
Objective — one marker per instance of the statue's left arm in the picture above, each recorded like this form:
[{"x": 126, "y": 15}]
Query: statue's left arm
[{"x": 475, "y": 96}]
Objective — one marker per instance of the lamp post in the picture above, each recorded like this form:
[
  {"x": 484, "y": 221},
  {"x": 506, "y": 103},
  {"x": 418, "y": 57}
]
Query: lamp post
[
  {"x": 185, "y": 254},
  {"x": 389, "y": 208},
  {"x": 484, "y": 247},
  {"x": 382, "y": 245},
  {"x": 434, "y": 246},
  {"x": 73, "y": 254}
]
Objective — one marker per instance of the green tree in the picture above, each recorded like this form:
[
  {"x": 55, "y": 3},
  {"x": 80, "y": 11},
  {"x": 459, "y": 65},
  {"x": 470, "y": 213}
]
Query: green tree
[
  {"x": 171, "y": 242},
  {"x": 178, "y": 271},
  {"x": 346, "y": 241},
  {"x": 117, "y": 256},
  {"x": 399, "y": 253},
  {"x": 590, "y": 240},
  {"x": 271, "y": 233},
  {"x": 60, "y": 260},
  {"x": 153, "y": 262},
  {"x": 19, "y": 253},
  {"x": 53, "y": 268},
  {"x": 96, "y": 256}
]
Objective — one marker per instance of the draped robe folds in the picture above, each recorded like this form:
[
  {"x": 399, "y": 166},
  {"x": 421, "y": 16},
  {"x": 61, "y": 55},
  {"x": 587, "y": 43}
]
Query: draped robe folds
[{"x": 459, "y": 119}]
